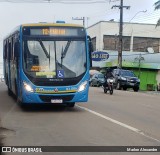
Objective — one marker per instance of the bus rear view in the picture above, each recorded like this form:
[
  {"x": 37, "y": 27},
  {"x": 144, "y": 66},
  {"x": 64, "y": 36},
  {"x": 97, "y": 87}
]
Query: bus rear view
[{"x": 51, "y": 64}]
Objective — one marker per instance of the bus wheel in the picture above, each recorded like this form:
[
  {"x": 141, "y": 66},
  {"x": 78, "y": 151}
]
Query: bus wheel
[
  {"x": 16, "y": 91},
  {"x": 71, "y": 104},
  {"x": 19, "y": 102},
  {"x": 9, "y": 92}
]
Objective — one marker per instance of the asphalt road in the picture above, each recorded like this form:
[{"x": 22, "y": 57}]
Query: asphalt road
[{"x": 125, "y": 118}]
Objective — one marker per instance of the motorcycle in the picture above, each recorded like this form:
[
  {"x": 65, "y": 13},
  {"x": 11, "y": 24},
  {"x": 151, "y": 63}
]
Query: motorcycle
[{"x": 108, "y": 86}]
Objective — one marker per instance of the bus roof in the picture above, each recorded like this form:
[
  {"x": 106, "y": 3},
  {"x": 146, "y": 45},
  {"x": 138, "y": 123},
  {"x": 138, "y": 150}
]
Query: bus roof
[
  {"x": 41, "y": 24},
  {"x": 51, "y": 24}
]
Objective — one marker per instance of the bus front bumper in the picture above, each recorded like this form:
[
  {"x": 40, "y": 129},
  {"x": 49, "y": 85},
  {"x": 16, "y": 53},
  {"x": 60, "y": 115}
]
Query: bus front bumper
[{"x": 38, "y": 98}]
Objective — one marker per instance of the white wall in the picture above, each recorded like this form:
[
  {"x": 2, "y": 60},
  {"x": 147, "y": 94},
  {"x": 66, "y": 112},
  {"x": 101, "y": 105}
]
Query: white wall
[
  {"x": 158, "y": 77},
  {"x": 129, "y": 29}
]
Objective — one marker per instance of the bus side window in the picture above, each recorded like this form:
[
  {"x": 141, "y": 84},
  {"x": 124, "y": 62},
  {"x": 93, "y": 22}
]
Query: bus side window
[
  {"x": 9, "y": 50},
  {"x": 5, "y": 51},
  {"x": 5, "y": 59},
  {"x": 16, "y": 52}
]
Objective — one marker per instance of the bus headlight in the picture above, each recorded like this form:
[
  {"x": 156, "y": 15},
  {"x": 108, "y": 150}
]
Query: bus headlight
[
  {"x": 82, "y": 86},
  {"x": 27, "y": 87}
]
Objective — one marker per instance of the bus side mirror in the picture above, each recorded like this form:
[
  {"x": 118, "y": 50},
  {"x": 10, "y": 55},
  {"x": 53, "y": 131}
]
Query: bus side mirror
[{"x": 90, "y": 48}]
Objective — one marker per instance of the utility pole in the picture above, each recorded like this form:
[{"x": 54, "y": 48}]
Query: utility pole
[
  {"x": 120, "y": 48},
  {"x": 81, "y": 18}
]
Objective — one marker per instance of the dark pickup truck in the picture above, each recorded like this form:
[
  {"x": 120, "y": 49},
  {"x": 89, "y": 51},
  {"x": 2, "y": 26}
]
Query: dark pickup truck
[{"x": 125, "y": 79}]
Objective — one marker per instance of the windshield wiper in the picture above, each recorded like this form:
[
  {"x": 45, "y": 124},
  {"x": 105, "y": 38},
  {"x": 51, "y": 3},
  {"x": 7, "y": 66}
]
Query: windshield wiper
[
  {"x": 64, "y": 52},
  {"x": 44, "y": 49}
]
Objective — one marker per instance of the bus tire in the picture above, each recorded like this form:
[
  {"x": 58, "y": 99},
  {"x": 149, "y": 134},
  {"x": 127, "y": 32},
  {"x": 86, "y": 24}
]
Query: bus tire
[
  {"x": 16, "y": 90},
  {"x": 9, "y": 92},
  {"x": 71, "y": 105},
  {"x": 18, "y": 101}
]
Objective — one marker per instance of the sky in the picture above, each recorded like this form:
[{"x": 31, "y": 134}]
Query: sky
[{"x": 16, "y": 12}]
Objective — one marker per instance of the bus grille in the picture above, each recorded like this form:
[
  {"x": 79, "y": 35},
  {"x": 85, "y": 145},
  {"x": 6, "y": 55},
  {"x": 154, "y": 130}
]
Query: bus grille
[{"x": 47, "y": 98}]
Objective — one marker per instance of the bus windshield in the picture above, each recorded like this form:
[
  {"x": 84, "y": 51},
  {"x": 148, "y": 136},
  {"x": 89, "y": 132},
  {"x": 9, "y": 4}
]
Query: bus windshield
[{"x": 44, "y": 58}]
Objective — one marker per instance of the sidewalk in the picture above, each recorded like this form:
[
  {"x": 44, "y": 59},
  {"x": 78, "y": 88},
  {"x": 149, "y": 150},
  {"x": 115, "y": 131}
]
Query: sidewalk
[
  {"x": 150, "y": 92},
  {"x": 146, "y": 92}
]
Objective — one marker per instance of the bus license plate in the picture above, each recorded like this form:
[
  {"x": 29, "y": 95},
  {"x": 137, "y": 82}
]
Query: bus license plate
[{"x": 56, "y": 101}]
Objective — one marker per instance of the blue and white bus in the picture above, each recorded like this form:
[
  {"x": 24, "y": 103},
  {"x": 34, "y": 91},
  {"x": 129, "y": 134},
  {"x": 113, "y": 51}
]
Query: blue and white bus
[{"x": 47, "y": 63}]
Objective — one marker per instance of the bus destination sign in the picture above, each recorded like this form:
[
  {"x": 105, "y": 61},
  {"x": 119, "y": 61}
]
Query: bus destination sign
[{"x": 53, "y": 31}]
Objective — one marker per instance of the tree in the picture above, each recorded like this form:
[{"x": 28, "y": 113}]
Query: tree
[{"x": 157, "y": 6}]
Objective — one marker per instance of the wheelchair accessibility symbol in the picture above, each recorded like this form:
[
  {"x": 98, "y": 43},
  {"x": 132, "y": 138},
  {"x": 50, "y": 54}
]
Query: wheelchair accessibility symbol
[{"x": 60, "y": 73}]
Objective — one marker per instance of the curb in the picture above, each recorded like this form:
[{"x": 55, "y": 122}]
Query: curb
[{"x": 151, "y": 92}]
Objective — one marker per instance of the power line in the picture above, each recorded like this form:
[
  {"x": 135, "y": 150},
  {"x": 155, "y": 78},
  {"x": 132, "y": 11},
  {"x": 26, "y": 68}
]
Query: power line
[
  {"x": 79, "y": 18},
  {"x": 149, "y": 17},
  {"x": 57, "y": 1}
]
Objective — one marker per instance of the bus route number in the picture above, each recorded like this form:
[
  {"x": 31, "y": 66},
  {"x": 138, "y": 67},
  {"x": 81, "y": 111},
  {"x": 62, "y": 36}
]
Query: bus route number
[{"x": 53, "y": 31}]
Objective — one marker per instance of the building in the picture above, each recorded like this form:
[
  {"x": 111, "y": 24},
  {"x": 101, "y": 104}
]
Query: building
[{"x": 141, "y": 49}]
